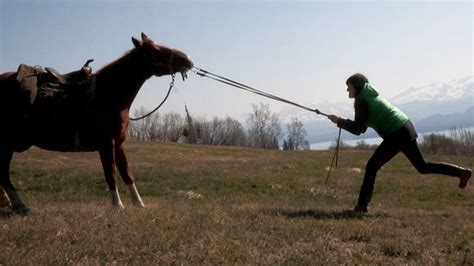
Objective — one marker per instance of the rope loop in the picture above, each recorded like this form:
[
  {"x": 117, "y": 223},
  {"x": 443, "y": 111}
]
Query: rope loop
[{"x": 158, "y": 107}]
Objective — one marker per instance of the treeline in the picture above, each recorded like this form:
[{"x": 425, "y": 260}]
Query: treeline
[
  {"x": 262, "y": 130},
  {"x": 459, "y": 141}
]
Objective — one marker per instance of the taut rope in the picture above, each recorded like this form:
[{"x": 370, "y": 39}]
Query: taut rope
[{"x": 204, "y": 73}]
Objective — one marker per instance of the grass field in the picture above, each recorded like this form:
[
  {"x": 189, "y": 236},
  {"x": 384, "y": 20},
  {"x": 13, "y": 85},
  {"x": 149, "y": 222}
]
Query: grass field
[{"x": 221, "y": 205}]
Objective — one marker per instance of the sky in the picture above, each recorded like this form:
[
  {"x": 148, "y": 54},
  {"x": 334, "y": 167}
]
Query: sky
[{"x": 299, "y": 50}]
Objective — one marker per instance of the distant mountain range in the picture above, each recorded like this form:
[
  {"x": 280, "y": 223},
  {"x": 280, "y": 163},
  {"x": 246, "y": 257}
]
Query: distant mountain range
[{"x": 434, "y": 107}]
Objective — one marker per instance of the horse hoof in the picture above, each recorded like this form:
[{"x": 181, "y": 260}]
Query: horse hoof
[
  {"x": 21, "y": 210},
  {"x": 118, "y": 207},
  {"x": 464, "y": 178},
  {"x": 139, "y": 204},
  {"x": 6, "y": 213}
]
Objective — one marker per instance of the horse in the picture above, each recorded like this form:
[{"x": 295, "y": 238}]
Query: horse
[{"x": 102, "y": 127}]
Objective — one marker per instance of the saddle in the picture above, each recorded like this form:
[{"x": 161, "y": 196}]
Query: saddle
[
  {"x": 48, "y": 86},
  {"x": 74, "y": 77}
]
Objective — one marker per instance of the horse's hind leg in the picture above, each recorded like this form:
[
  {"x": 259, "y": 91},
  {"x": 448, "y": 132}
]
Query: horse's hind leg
[
  {"x": 17, "y": 204},
  {"x": 126, "y": 173}
]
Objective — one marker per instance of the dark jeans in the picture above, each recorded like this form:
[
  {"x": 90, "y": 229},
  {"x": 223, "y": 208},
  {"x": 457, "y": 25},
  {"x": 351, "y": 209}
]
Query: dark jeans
[{"x": 403, "y": 140}]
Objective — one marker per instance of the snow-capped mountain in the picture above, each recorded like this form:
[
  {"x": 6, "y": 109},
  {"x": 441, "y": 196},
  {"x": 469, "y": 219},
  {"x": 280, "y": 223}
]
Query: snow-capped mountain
[
  {"x": 442, "y": 91},
  {"x": 455, "y": 96}
]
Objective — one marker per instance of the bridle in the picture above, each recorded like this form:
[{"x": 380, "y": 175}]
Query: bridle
[
  {"x": 169, "y": 65},
  {"x": 171, "y": 58}
]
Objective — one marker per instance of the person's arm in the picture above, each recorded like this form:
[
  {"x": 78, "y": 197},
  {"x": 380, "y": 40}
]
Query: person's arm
[{"x": 359, "y": 125}]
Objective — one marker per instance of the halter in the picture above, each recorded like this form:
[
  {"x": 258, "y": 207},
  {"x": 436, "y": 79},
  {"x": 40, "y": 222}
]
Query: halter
[{"x": 170, "y": 59}]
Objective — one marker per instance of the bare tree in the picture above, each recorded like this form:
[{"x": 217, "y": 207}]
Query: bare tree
[
  {"x": 171, "y": 127},
  {"x": 227, "y": 132},
  {"x": 296, "y": 139},
  {"x": 234, "y": 133},
  {"x": 146, "y": 128},
  {"x": 264, "y": 127}
]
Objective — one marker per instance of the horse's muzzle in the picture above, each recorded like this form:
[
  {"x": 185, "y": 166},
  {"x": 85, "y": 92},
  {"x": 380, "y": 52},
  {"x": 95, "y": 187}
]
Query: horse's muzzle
[{"x": 187, "y": 66}]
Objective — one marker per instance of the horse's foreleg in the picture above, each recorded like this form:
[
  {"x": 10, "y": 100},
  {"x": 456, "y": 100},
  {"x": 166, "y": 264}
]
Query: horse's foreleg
[
  {"x": 17, "y": 204},
  {"x": 107, "y": 157},
  {"x": 126, "y": 173}
]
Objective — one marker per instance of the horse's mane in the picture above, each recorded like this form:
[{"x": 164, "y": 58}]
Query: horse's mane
[{"x": 128, "y": 55}]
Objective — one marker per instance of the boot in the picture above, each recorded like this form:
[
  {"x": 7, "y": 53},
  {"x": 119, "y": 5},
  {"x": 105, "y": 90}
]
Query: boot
[
  {"x": 464, "y": 177},
  {"x": 360, "y": 208}
]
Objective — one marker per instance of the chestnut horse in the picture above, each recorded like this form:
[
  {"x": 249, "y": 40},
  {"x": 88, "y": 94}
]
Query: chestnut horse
[{"x": 103, "y": 127}]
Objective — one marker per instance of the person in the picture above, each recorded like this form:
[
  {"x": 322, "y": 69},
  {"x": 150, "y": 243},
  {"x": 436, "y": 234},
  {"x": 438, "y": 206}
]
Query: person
[{"x": 397, "y": 132}]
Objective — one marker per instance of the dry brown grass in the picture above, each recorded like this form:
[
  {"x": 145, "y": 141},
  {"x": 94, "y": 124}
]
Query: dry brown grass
[{"x": 216, "y": 205}]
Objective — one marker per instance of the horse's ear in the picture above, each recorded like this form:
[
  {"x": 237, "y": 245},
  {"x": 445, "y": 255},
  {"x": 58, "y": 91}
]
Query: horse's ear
[
  {"x": 144, "y": 37},
  {"x": 136, "y": 42}
]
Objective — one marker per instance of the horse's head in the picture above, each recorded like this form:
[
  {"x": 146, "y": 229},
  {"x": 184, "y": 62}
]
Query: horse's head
[{"x": 162, "y": 60}]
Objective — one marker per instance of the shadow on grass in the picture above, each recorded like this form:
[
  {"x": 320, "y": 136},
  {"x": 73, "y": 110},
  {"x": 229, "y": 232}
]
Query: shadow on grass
[{"x": 322, "y": 214}]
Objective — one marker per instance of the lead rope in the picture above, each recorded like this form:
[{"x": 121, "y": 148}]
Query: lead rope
[
  {"x": 204, "y": 73},
  {"x": 158, "y": 107}
]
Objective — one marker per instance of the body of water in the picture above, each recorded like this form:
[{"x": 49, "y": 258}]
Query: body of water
[{"x": 371, "y": 141}]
